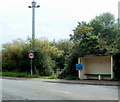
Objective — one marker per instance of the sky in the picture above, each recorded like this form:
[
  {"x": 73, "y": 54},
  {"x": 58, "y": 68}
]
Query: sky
[{"x": 54, "y": 20}]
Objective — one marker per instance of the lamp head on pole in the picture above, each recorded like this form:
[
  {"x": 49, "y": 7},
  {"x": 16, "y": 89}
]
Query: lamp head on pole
[
  {"x": 34, "y": 5},
  {"x": 29, "y": 7},
  {"x": 38, "y": 6}
]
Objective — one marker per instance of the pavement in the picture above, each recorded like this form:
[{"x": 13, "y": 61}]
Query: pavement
[{"x": 86, "y": 82}]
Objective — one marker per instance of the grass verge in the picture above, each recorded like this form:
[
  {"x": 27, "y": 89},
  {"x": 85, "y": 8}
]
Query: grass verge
[{"x": 25, "y": 75}]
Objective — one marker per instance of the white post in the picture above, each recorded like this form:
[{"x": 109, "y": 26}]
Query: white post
[
  {"x": 111, "y": 67},
  {"x": 79, "y": 61},
  {"x": 31, "y": 67},
  {"x": 79, "y": 74},
  {"x": 99, "y": 77}
]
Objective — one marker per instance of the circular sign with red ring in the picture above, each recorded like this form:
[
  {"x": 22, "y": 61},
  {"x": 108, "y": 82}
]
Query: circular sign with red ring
[{"x": 31, "y": 55}]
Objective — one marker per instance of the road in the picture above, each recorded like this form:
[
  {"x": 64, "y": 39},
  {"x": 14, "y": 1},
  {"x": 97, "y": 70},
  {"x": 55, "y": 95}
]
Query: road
[{"x": 39, "y": 90}]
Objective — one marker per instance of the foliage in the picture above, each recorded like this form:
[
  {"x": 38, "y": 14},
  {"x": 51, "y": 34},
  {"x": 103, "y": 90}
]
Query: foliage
[
  {"x": 66, "y": 47},
  {"x": 15, "y": 57},
  {"x": 49, "y": 55},
  {"x": 72, "y": 78},
  {"x": 100, "y": 36},
  {"x": 85, "y": 42},
  {"x": 18, "y": 74},
  {"x": 70, "y": 66},
  {"x": 116, "y": 67},
  {"x": 25, "y": 75},
  {"x": 106, "y": 28},
  {"x": 106, "y": 18}
]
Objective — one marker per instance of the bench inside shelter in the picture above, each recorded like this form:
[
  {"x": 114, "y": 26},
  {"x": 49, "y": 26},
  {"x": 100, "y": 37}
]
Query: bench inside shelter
[{"x": 99, "y": 76}]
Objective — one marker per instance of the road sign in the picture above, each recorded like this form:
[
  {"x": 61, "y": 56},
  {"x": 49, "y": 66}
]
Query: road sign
[
  {"x": 31, "y": 55},
  {"x": 79, "y": 66}
]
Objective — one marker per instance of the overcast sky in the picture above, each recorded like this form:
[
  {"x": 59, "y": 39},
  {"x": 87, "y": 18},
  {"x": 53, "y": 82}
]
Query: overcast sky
[{"x": 55, "y": 19}]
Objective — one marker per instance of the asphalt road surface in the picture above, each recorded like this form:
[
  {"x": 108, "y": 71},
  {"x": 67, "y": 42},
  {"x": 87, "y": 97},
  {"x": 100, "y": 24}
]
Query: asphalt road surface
[{"x": 38, "y": 90}]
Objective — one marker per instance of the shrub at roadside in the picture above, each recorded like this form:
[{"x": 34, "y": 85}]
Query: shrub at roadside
[
  {"x": 15, "y": 57},
  {"x": 26, "y": 75}
]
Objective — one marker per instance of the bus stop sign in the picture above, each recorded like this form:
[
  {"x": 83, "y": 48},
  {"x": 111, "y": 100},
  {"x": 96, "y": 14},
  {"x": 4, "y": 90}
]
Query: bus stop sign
[{"x": 79, "y": 66}]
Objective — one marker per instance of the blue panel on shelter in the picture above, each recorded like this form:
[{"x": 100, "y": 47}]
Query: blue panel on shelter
[{"x": 79, "y": 66}]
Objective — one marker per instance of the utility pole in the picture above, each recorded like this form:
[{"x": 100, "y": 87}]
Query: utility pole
[{"x": 33, "y": 28}]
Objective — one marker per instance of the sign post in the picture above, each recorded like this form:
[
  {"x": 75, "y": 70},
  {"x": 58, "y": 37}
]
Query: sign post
[
  {"x": 31, "y": 56},
  {"x": 31, "y": 68}
]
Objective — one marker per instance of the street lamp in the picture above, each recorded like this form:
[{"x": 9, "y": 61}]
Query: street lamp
[
  {"x": 33, "y": 27},
  {"x": 33, "y": 21}
]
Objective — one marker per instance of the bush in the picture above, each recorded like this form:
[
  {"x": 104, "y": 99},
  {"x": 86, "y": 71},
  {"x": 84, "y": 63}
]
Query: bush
[
  {"x": 115, "y": 79},
  {"x": 70, "y": 67},
  {"x": 15, "y": 57},
  {"x": 26, "y": 75},
  {"x": 15, "y": 74},
  {"x": 72, "y": 78},
  {"x": 116, "y": 67}
]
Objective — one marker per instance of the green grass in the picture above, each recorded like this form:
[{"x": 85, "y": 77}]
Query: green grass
[
  {"x": 72, "y": 78},
  {"x": 48, "y": 77},
  {"x": 115, "y": 79},
  {"x": 25, "y": 75},
  {"x": 0, "y": 73},
  {"x": 16, "y": 74}
]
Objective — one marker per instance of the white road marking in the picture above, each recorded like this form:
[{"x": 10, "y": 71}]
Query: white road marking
[
  {"x": 52, "y": 83},
  {"x": 20, "y": 81},
  {"x": 59, "y": 91}
]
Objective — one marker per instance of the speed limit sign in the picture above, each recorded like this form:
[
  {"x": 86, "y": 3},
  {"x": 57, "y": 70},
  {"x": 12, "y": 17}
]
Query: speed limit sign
[{"x": 31, "y": 55}]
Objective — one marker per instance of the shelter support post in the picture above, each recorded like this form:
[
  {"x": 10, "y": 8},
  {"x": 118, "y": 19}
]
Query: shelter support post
[
  {"x": 79, "y": 74},
  {"x": 79, "y": 62},
  {"x": 111, "y": 67}
]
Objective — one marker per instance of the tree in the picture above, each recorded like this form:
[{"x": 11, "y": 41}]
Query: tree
[
  {"x": 66, "y": 46},
  {"x": 49, "y": 54},
  {"x": 14, "y": 56},
  {"x": 106, "y": 29},
  {"x": 98, "y": 37},
  {"x": 116, "y": 67},
  {"x": 84, "y": 43},
  {"x": 107, "y": 19}
]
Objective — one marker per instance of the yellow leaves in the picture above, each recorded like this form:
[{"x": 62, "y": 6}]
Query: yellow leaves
[
  {"x": 48, "y": 48},
  {"x": 12, "y": 48},
  {"x": 83, "y": 30},
  {"x": 52, "y": 51}
]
